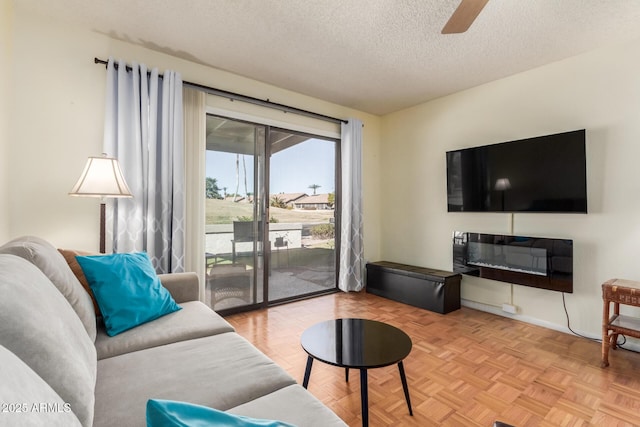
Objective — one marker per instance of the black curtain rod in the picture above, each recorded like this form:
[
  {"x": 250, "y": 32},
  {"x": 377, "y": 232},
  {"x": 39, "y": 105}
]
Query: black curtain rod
[{"x": 248, "y": 99}]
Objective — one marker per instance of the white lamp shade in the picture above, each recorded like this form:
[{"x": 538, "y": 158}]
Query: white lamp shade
[
  {"x": 101, "y": 177},
  {"x": 502, "y": 184}
]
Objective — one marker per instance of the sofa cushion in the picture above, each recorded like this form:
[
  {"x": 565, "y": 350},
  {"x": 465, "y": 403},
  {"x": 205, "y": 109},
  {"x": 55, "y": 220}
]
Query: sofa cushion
[
  {"x": 47, "y": 258},
  {"x": 27, "y": 400},
  {"x": 195, "y": 320},
  {"x": 39, "y": 326},
  {"x": 70, "y": 256},
  {"x": 182, "y": 286},
  {"x": 127, "y": 288},
  {"x": 292, "y": 404},
  {"x": 221, "y": 371},
  {"x": 163, "y": 413}
]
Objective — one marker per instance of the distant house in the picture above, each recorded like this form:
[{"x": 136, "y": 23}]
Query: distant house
[
  {"x": 289, "y": 198},
  {"x": 318, "y": 201}
]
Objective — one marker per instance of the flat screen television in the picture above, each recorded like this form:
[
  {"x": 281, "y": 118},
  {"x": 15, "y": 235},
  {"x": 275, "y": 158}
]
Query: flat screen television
[{"x": 541, "y": 174}]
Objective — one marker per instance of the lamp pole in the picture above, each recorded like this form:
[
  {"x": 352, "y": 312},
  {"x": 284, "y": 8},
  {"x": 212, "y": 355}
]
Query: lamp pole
[{"x": 103, "y": 209}]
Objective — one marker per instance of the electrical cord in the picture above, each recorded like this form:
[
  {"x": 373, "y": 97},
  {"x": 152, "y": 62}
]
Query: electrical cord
[
  {"x": 620, "y": 345},
  {"x": 564, "y": 304}
]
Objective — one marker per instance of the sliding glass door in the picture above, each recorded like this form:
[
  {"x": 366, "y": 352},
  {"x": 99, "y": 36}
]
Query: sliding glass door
[
  {"x": 270, "y": 215},
  {"x": 302, "y": 177}
]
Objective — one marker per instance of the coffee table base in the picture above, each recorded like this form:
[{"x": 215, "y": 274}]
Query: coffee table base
[{"x": 364, "y": 388}]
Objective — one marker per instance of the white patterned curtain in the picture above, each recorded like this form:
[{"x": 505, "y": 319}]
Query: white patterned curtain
[
  {"x": 351, "y": 276},
  {"x": 143, "y": 130}
]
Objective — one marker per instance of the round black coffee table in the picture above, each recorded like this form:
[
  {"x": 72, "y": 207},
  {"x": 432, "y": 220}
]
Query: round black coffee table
[{"x": 358, "y": 344}]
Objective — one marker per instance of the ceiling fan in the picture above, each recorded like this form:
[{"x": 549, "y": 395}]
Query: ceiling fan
[{"x": 463, "y": 16}]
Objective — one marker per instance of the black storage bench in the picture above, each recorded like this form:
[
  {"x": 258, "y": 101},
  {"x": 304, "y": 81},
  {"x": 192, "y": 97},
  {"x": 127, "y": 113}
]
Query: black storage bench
[{"x": 434, "y": 290}]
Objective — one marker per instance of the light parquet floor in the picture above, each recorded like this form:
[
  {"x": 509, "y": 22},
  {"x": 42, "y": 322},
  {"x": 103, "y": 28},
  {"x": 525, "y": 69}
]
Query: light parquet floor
[{"x": 466, "y": 368}]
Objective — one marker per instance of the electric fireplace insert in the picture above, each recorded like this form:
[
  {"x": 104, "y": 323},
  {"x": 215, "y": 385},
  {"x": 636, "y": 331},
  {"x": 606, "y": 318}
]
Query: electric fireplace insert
[{"x": 530, "y": 261}]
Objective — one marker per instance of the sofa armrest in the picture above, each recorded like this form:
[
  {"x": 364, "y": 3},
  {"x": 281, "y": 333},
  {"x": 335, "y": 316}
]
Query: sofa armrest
[{"x": 183, "y": 287}]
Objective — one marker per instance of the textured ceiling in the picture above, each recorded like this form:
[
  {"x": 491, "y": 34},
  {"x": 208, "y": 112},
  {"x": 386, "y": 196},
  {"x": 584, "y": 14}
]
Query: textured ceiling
[{"x": 378, "y": 56}]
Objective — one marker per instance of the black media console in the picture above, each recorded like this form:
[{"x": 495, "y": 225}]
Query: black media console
[{"x": 434, "y": 290}]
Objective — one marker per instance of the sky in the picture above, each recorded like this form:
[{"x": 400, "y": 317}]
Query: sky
[{"x": 292, "y": 170}]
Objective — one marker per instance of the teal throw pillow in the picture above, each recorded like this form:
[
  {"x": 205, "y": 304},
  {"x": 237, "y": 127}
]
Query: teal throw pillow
[
  {"x": 127, "y": 290},
  {"x": 169, "y": 413}
]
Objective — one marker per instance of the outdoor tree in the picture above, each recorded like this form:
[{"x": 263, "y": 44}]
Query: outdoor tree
[
  {"x": 212, "y": 191},
  {"x": 244, "y": 169},
  {"x": 331, "y": 199},
  {"x": 278, "y": 202},
  {"x": 314, "y": 187},
  {"x": 235, "y": 196}
]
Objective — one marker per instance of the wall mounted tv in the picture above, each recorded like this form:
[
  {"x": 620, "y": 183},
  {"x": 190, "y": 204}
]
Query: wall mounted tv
[{"x": 541, "y": 174}]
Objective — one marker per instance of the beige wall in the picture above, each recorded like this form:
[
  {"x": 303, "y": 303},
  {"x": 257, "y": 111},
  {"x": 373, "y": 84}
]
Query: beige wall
[
  {"x": 59, "y": 121},
  {"x": 599, "y": 91},
  {"x": 6, "y": 36}
]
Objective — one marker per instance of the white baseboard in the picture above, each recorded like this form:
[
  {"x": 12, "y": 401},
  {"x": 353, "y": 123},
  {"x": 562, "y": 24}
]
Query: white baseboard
[{"x": 635, "y": 346}]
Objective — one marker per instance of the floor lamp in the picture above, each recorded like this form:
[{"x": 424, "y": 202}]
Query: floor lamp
[
  {"x": 502, "y": 185},
  {"x": 101, "y": 177}
]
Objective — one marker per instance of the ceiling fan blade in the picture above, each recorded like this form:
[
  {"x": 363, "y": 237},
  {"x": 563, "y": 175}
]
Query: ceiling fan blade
[{"x": 464, "y": 15}]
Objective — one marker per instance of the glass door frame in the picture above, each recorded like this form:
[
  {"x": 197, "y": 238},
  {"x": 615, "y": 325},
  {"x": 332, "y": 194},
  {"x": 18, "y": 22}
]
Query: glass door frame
[{"x": 262, "y": 174}]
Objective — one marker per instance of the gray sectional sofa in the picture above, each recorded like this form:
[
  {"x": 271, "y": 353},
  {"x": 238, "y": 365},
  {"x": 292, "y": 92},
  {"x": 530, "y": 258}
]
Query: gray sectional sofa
[{"x": 58, "y": 367}]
